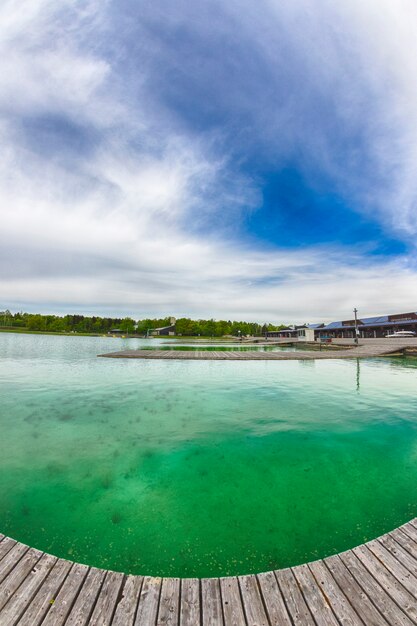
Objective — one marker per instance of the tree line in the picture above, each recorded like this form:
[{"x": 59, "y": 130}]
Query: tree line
[
  {"x": 220, "y": 328},
  {"x": 99, "y": 325}
]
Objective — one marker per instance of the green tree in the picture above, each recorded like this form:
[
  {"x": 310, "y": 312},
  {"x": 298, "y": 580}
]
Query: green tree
[{"x": 127, "y": 325}]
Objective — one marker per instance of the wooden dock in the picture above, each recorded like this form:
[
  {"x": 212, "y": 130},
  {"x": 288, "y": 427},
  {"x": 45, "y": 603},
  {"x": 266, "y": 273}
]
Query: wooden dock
[
  {"x": 362, "y": 351},
  {"x": 372, "y": 585}
]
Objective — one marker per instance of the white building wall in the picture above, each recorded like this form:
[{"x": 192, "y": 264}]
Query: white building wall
[{"x": 309, "y": 334}]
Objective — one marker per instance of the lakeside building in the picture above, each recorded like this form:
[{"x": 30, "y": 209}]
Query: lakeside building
[
  {"x": 165, "y": 331},
  {"x": 287, "y": 332},
  {"x": 368, "y": 327}
]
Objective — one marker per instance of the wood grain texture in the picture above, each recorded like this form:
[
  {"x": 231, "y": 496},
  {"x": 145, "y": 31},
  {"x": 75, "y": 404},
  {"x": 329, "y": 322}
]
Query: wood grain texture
[
  {"x": 371, "y": 585},
  {"x": 24, "y": 593},
  {"x": 233, "y": 612},
  {"x": 317, "y": 602},
  {"x": 273, "y": 599},
  {"x": 190, "y": 611},
  {"x": 127, "y": 605},
  {"x": 82, "y": 609},
  {"x": 169, "y": 602},
  {"x": 10, "y": 560},
  {"x": 18, "y": 574},
  {"x": 333, "y": 595},
  {"x": 388, "y": 581},
  {"x": 354, "y": 592},
  {"x": 252, "y": 601},
  {"x": 294, "y": 599},
  {"x": 6, "y": 544},
  {"x": 106, "y": 601},
  {"x": 62, "y": 604},
  {"x": 211, "y": 602},
  {"x": 46, "y": 594},
  {"x": 374, "y": 591}
]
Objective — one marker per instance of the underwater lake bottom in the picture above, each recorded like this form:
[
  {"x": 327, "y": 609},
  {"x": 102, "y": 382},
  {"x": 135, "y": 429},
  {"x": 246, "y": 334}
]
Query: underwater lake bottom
[{"x": 200, "y": 468}]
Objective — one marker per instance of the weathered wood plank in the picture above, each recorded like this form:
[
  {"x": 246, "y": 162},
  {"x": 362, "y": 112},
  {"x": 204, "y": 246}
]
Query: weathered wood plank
[
  {"x": 149, "y": 601},
  {"x": 79, "y": 614},
  {"x": 106, "y": 602},
  {"x": 232, "y": 603},
  {"x": 354, "y": 592},
  {"x": 372, "y": 585},
  {"x": 11, "y": 559},
  {"x": 252, "y": 601},
  {"x": 374, "y": 591},
  {"x": 398, "y": 571},
  {"x": 63, "y": 602},
  {"x": 18, "y": 601},
  {"x": 334, "y": 596},
  {"x": 294, "y": 600},
  {"x": 273, "y": 599},
  {"x": 126, "y": 608},
  {"x": 400, "y": 551},
  {"x": 190, "y": 610},
  {"x": 169, "y": 602},
  {"x": 18, "y": 574},
  {"x": 41, "y": 602},
  {"x": 211, "y": 602},
  {"x": 6, "y": 545},
  {"x": 404, "y": 526},
  {"x": 387, "y": 581},
  {"x": 317, "y": 603},
  {"x": 410, "y": 531},
  {"x": 404, "y": 540}
]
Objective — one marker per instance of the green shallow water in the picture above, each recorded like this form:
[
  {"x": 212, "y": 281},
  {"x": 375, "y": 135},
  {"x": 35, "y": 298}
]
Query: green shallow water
[{"x": 200, "y": 468}]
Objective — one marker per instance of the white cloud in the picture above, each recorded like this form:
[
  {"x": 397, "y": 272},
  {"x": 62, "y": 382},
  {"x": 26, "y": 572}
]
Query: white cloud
[
  {"x": 42, "y": 68},
  {"x": 120, "y": 228}
]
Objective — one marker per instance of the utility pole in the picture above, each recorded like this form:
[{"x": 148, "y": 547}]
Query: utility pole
[{"x": 355, "y": 310}]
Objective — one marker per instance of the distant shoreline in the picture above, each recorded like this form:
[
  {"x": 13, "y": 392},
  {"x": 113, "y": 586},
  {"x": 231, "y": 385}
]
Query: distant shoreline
[{"x": 22, "y": 331}]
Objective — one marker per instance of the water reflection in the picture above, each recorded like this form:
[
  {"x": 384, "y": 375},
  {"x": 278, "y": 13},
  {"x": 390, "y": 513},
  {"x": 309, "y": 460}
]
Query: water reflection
[{"x": 358, "y": 375}]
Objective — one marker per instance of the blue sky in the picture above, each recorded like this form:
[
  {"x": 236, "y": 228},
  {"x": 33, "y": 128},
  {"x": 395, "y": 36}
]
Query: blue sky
[{"x": 239, "y": 160}]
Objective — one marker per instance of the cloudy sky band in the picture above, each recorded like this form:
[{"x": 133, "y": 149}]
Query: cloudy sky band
[{"x": 208, "y": 159}]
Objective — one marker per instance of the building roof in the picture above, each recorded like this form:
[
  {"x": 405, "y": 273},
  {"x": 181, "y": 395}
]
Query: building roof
[
  {"x": 335, "y": 325},
  {"x": 164, "y": 327},
  {"x": 381, "y": 320},
  {"x": 375, "y": 320}
]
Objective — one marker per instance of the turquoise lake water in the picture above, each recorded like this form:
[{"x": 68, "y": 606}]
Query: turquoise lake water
[{"x": 200, "y": 468}]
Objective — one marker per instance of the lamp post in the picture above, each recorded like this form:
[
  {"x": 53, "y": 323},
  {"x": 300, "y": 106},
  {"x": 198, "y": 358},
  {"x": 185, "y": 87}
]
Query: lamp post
[{"x": 355, "y": 310}]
